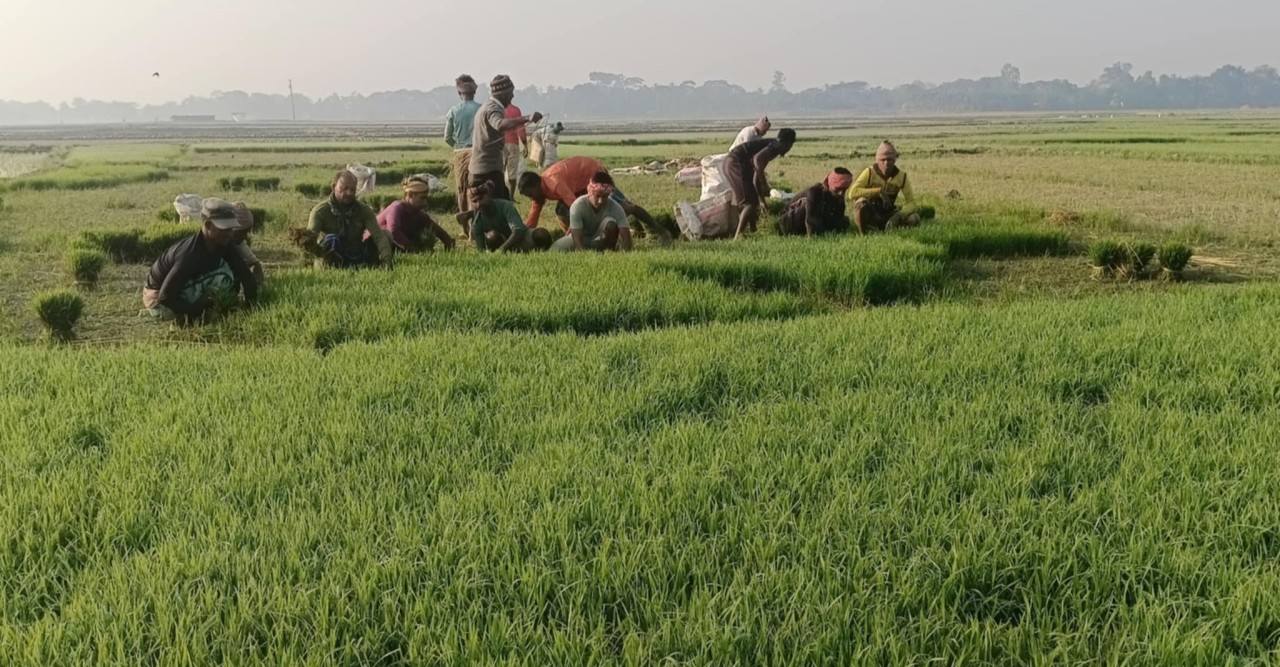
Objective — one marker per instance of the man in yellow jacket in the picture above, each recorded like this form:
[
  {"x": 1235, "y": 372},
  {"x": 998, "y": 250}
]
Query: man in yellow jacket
[{"x": 876, "y": 191}]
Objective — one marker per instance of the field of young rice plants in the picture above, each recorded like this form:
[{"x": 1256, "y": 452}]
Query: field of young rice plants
[
  {"x": 1035, "y": 482},
  {"x": 958, "y": 444}
]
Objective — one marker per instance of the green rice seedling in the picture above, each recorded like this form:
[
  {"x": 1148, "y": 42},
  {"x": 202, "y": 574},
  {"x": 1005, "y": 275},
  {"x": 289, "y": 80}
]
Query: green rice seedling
[
  {"x": 443, "y": 202},
  {"x": 1106, "y": 256},
  {"x": 1173, "y": 259},
  {"x": 1139, "y": 259},
  {"x": 134, "y": 246},
  {"x": 926, "y": 212},
  {"x": 120, "y": 204},
  {"x": 305, "y": 148},
  {"x": 971, "y": 240},
  {"x": 224, "y": 300},
  {"x": 378, "y": 200},
  {"x": 167, "y": 214},
  {"x": 153, "y": 242},
  {"x": 263, "y": 183},
  {"x": 121, "y": 246},
  {"x": 775, "y": 207},
  {"x": 59, "y": 311},
  {"x": 85, "y": 265},
  {"x": 1, "y": 204},
  {"x": 88, "y": 177},
  {"x": 312, "y": 190}
]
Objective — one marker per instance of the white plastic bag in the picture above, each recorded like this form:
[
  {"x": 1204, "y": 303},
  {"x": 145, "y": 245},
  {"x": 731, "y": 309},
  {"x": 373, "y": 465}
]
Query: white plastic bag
[
  {"x": 433, "y": 184},
  {"x": 366, "y": 178},
  {"x": 779, "y": 194},
  {"x": 188, "y": 207},
  {"x": 706, "y": 219},
  {"x": 690, "y": 176},
  {"x": 713, "y": 180}
]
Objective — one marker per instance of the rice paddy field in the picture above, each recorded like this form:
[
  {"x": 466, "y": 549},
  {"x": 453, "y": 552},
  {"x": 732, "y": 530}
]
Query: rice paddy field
[{"x": 959, "y": 444}]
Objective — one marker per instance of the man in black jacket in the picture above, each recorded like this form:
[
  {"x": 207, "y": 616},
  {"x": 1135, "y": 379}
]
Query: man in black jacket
[{"x": 183, "y": 280}]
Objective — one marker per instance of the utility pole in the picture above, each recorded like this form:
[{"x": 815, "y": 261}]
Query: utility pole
[{"x": 292, "y": 108}]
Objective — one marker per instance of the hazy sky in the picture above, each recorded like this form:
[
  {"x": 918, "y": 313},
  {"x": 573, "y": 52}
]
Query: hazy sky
[{"x": 55, "y": 50}]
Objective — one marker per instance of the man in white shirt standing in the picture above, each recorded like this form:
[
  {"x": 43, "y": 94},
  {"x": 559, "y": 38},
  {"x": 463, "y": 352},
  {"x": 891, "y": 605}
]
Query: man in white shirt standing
[{"x": 752, "y": 132}]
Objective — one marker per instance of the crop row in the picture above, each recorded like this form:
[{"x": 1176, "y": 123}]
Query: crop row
[{"x": 1019, "y": 483}]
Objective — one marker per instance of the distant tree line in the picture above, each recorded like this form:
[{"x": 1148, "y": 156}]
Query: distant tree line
[{"x": 616, "y": 96}]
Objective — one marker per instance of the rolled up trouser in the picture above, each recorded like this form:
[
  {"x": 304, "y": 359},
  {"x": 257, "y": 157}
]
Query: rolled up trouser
[
  {"x": 461, "y": 168},
  {"x": 367, "y": 255}
]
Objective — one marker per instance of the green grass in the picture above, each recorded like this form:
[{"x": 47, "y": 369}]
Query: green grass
[
  {"x": 86, "y": 178},
  {"x": 947, "y": 445},
  {"x": 300, "y": 148},
  {"x": 891, "y": 485},
  {"x": 135, "y": 246}
]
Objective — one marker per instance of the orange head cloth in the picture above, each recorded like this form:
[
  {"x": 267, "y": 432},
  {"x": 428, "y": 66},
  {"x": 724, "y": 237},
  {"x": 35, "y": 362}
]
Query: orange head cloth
[{"x": 837, "y": 182}]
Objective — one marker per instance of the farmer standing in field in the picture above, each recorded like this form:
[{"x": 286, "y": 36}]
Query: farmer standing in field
[
  {"x": 347, "y": 230},
  {"x": 489, "y": 137},
  {"x": 744, "y": 168},
  {"x": 875, "y": 194},
  {"x": 497, "y": 225},
  {"x": 596, "y": 220},
  {"x": 515, "y": 146},
  {"x": 459, "y": 123},
  {"x": 820, "y": 208},
  {"x": 182, "y": 281},
  {"x": 752, "y": 132},
  {"x": 565, "y": 182},
  {"x": 407, "y": 222}
]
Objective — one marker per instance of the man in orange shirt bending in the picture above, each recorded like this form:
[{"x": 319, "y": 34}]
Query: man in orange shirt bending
[{"x": 565, "y": 181}]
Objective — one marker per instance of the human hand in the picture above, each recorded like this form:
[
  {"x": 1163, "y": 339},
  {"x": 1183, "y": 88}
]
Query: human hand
[{"x": 536, "y": 117}]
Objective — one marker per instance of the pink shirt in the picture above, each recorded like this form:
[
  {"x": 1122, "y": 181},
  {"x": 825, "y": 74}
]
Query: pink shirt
[{"x": 516, "y": 136}]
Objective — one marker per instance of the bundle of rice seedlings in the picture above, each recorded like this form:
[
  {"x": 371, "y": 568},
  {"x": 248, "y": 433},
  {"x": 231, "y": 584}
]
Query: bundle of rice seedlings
[
  {"x": 121, "y": 246},
  {"x": 263, "y": 183},
  {"x": 86, "y": 265},
  {"x": 167, "y": 214},
  {"x": 312, "y": 190},
  {"x": 261, "y": 217},
  {"x": 59, "y": 311},
  {"x": 305, "y": 240},
  {"x": 1106, "y": 256},
  {"x": 775, "y": 207},
  {"x": 1173, "y": 259},
  {"x": 224, "y": 300},
  {"x": 1138, "y": 263},
  {"x": 926, "y": 212}
]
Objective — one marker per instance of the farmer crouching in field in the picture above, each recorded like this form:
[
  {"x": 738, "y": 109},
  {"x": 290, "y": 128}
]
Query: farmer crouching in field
[
  {"x": 182, "y": 282},
  {"x": 497, "y": 225},
  {"x": 565, "y": 182},
  {"x": 407, "y": 223},
  {"x": 596, "y": 220},
  {"x": 347, "y": 230},
  {"x": 875, "y": 194},
  {"x": 459, "y": 122},
  {"x": 820, "y": 208},
  {"x": 744, "y": 168}
]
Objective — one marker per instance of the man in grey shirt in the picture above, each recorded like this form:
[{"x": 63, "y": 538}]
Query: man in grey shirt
[
  {"x": 596, "y": 220},
  {"x": 488, "y": 137}
]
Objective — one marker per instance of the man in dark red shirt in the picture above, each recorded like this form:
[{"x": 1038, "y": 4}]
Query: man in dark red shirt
[{"x": 407, "y": 223}]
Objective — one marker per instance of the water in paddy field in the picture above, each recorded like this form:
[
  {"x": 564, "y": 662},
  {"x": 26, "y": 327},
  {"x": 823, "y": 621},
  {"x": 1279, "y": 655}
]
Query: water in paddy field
[{"x": 17, "y": 164}]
